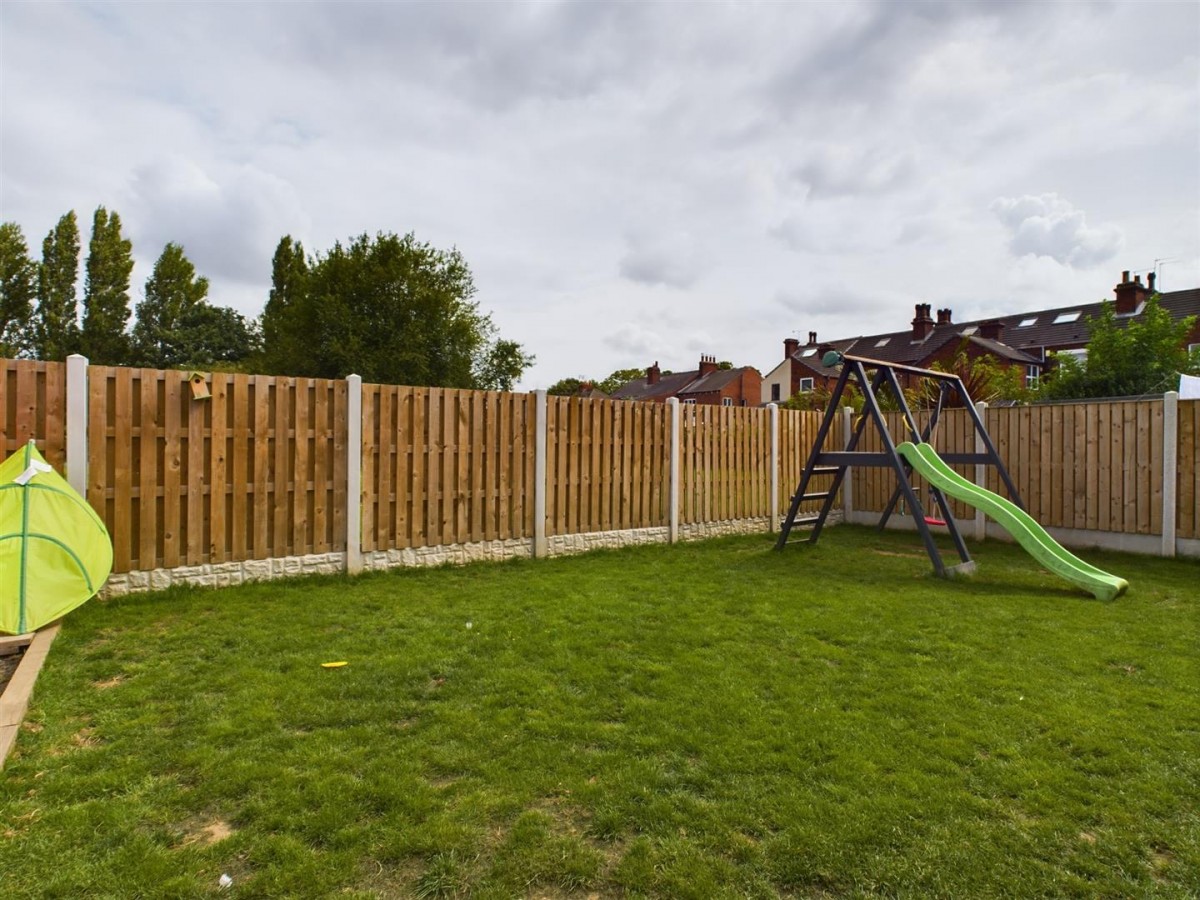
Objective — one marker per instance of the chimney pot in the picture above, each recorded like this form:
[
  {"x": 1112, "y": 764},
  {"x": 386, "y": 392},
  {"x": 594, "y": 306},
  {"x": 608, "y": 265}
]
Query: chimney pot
[
  {"x": 812, "y": 338},
  {"x": 1150, "y": 279},
  {"x": 1125, "y": 277}
]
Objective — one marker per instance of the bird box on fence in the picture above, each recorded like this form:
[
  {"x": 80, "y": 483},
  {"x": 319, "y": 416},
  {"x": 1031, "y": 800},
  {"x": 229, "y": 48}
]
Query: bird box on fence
[{"x": 199, "y": 383}]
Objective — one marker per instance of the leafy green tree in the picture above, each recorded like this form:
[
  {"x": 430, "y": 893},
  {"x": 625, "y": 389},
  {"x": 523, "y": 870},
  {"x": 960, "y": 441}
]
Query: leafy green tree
[
  {"x": 18, "y": 274},
  {"x": 621, "y": 377},
  {"x": 500, "y": 365},
  {"x": 106, "y": 292},
  {"x": 214, "y": 337},
  {"x": 55, "y": 322},
  {"x": 985, "y": 377},
  {"x": 287, "y": 320},
  {"x": 172, "y": 290},
  {"x": 566, "y": 387},
  {"x": 1144, "y": 355},
  {"x": 395, "y": 311}
]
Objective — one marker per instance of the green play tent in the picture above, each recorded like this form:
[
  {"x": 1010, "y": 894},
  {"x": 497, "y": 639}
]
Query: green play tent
[{"x": 55, "y": 553}]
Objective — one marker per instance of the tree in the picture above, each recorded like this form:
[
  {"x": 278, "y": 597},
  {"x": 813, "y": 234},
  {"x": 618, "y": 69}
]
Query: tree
[
  {"x": 986, "y": 379},
  {"x": 392, "y": 309},
  {"x": 18, "y": 274},
  {"x": 566, "y": 387},
  {"x": 1138, "y": 356},
  {"x": 286, "y": 320},
  {"x": 106, "y": 292},
  {"x": 55, "y": 323},
  {"x": 172, "y": 290},
  {"x": 500, "y": 365},
  {"x": 621, "y": 377},
  {"x": 209, "y": 336}
]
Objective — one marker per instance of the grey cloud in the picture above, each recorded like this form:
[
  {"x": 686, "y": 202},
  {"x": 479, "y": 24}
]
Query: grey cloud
[
  {"x": 228, "y": 220},
  {"x": 635, "y": 341},
  {"x": 837, "y": 170},
  {"x": 670, "y": 260},
  {"x": 1047, "y": 225}
]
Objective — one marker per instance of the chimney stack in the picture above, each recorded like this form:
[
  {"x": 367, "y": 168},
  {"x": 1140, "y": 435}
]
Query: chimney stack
[
  {"x": 1130, "y": 294},
  {"x": 991, "y": 330},
  {"x": 922, "y": 324},
  {"x": 790, "y": 346},
  {"x": 1150, "y": 279},
  {"x": 708, "y": 365},
  {"x": 812, "y": 338},
  {"x": 652, "y": 374},
  {"x": 944, "y": 317}
]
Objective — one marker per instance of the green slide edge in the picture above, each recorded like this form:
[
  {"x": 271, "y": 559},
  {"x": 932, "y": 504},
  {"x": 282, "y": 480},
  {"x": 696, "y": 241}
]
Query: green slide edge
[{"x": 1036, "y": 541}]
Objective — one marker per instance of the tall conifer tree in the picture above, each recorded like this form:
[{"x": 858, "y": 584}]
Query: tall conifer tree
[
  {"x": 55, "y": 323},
  {"x": 173, "y": 291},
  {"x": 106, "y": 292},
  {"x": 17, "y": 278}
]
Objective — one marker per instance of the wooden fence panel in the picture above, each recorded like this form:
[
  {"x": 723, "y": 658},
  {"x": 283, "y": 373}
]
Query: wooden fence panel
[
  {"x": 33, "y": 402},
  {"x": 606, "y": 465},
  {"x": 1187, "y": 496}
]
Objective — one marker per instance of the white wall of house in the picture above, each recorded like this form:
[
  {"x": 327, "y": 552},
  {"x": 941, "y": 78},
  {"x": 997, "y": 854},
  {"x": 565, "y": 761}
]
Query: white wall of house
[{"x": 780, "y": 376}]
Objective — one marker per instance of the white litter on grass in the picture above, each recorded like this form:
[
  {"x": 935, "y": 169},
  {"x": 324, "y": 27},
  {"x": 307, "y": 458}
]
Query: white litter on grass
[
  {"x": 225, "y": 881},
  {"x": 468, "y": 626}
]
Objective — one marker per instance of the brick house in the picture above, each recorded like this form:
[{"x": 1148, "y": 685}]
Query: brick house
[
  {"x": 1023, "y": 339},
  {"x": 707, "y": 385}
]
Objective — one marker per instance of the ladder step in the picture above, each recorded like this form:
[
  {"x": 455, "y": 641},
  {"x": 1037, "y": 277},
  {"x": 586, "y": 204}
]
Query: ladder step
[
  {"x": 818, "y": 496},
  {"x": 805, "y": 520},
  {"x": 826, "y": 470}
]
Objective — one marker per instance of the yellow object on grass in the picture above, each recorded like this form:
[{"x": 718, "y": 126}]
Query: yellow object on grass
[
  {"x": 333, "y": 665},
  {"x": 55, "y": 553}
]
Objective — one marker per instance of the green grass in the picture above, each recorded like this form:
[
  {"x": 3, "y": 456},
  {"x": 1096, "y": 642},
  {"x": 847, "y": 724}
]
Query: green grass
[{"x": 706, "y": 720}]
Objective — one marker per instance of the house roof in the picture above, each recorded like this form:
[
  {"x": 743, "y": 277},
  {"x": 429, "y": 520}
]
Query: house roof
[
  {"x": 666, "y": 386},
  {"x": 713, "y": 381},
  {"x": 1063, "y": 326}
]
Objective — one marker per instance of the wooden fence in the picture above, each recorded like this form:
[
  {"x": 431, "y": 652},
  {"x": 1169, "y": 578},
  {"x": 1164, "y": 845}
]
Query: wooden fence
[
  {"x": 1095, "y": 466},
  {"x": 260, "y": 469}
]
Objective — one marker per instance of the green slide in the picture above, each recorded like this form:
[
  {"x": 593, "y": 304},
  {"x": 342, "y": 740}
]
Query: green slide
[{"x": 1028, "y": 533}]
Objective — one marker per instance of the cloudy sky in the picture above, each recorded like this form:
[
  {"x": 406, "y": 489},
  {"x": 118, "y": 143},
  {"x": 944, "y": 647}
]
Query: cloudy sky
[{"x": 630, "y": 182}]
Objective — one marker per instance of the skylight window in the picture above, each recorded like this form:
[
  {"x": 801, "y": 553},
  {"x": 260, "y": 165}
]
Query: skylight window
[
  {"x": 1066, "y": 317},
  {"x": 809, "y": 352},
  {"x": 967, "y": 332},
  {"x": 882, "y": 342},
  {"x": 1025, "y": 323}
]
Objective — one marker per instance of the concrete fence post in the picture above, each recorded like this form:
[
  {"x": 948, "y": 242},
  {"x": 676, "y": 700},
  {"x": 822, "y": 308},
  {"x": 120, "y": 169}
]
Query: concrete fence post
[
  {"x": 980, "y": 473},
  {"x": 1170, "y": 470},
  {"x": 354, "y": 447},
  {"x": 848, "y": 478},
  {"x": 539, "y": 475},
  {"x": 774, "y": 505},
  {"x": 674, "y": 465},
  {"x": 77, "y": 421}
]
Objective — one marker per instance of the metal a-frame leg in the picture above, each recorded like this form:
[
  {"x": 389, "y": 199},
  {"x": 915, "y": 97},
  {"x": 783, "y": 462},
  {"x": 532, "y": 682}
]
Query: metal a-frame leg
[
  {"x": 904, "y": 470},
  {"x": 811, "y": 468}
]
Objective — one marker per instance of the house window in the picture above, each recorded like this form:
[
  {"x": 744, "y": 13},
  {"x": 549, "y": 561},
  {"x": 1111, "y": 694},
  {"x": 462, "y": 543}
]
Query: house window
[
  {"x": 806, "y": 384},
  {"x": 774, "y": 393},
  {"x": 1032, "y": 373},
  {"x": 1080, "y": 354},
  {"x": 1025, "y": 323},
  {"x": 1192, "y": 348},
  {"x": 727, "y": 401},
  {"x": 882, "y": 342},
  {"x": 1062, "y": 318},
  {"x": 967, "y": 332},
  {"x": 809, "y": 352}
]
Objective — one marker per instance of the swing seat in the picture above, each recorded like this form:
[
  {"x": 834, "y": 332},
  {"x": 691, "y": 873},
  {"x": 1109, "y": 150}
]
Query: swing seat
[{"x": 930, "y": 520}]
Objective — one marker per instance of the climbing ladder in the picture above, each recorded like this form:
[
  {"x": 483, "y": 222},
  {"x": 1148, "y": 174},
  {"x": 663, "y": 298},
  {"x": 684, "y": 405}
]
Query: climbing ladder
[{"x": 823, "y": 463}]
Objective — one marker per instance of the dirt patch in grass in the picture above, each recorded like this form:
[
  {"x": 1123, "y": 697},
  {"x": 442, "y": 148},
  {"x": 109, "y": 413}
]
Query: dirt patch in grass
[
  {"x": 205, "y": 834},
  {"x": 108, "y": 683}
]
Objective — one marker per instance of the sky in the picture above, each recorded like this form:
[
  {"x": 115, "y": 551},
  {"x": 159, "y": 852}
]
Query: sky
[{"x": 630, "y": 182}]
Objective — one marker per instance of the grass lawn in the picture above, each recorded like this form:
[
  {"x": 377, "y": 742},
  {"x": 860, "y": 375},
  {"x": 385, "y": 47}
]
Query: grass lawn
[{"x": 706, "y": 720}]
